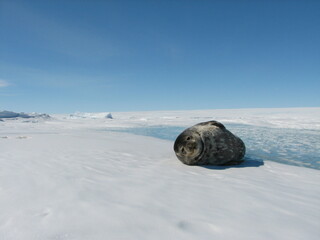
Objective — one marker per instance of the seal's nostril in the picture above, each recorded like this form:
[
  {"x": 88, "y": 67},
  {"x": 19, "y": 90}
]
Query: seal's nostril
[{"x": 183, "y": 151}]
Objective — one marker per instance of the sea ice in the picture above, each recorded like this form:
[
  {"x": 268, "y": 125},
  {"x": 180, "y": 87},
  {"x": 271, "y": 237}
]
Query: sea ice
[{"x": 70, "y": 179}]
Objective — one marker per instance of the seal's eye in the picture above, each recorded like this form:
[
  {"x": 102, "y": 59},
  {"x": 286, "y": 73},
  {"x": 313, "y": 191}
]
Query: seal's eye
[{"x": 188, "y": 138}]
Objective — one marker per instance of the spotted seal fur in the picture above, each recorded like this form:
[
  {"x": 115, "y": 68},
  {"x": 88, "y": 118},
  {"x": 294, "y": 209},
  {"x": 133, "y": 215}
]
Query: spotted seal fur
[{"x": 209, "y": 143}]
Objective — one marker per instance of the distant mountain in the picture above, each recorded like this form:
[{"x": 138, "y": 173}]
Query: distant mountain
[{"x": 10, "y": 114}]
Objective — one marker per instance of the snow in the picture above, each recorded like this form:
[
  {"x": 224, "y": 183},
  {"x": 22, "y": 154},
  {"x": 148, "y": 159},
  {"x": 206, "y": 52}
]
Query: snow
[
  {"x": 80, "y": 115},
  {"x": 69, "y": 178}
]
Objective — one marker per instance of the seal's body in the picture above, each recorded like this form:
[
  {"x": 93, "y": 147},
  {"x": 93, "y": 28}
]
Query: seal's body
[{"x": 209, "y": 143}]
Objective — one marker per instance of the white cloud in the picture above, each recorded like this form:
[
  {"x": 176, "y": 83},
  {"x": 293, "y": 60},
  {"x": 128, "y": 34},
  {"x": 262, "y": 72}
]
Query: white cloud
[{"x": 3, "y": 83}]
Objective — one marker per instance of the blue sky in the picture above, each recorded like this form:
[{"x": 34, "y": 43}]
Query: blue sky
[{"x": 81, "y": 55}]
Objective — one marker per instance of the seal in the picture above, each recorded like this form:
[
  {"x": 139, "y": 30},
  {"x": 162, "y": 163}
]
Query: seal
[{"x": 209, "y": 143}]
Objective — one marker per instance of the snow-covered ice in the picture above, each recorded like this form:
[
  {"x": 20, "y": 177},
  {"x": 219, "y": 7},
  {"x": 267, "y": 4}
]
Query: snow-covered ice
[
  {"x": 72, "y": 178},
  {"x": 78, "y": 115},
  {"x": 10, "y": 114}
]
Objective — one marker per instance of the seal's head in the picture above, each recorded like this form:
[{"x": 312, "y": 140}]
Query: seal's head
[{"x": 188, "y": 147}]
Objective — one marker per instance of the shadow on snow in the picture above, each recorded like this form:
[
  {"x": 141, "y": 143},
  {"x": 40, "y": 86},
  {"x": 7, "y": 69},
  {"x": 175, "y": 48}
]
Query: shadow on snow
[{"x": 248, "y": 162}]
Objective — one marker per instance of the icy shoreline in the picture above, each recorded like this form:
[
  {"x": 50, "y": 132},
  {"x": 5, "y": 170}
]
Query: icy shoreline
[
  {"x": 66, "y": 179},
  {"x": 289, "y": 146}
]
